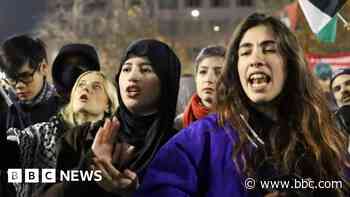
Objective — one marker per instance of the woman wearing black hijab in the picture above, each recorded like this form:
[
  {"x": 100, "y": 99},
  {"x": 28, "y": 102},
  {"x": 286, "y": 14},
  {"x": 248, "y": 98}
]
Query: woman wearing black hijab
[
  {"x": 147, "y": 85},
  {"x": 146, "y": 109}
]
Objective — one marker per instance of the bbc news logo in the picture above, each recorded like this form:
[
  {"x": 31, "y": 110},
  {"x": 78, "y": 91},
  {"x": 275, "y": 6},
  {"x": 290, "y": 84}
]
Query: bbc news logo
[{"x": 50, "y": 175}]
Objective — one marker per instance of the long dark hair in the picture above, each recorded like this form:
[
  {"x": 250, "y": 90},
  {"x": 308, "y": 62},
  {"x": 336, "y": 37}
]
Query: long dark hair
[{"x": 304, "y": 120}]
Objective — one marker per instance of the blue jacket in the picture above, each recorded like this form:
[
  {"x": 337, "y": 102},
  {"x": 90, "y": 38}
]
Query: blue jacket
[{"x": 196, "y": 162}]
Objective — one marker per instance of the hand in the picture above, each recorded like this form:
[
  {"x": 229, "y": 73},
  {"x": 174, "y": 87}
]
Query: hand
[
  {"x": 113, "y": 180},
  {"x": 106, "y": 151},
  {"x": 104, "y": 147},
  {"x": 104, "y": 139}
]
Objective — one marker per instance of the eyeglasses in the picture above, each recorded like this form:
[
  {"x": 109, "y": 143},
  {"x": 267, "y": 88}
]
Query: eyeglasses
[{"x": 25, "y": 78}]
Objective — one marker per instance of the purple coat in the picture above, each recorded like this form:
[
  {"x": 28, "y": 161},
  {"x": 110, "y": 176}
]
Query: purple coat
[{"x": 195, "y": 162}]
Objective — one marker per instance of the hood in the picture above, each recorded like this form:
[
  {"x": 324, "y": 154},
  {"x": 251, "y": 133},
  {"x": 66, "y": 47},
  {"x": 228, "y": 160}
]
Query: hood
[{"x": 64, "y": 76}]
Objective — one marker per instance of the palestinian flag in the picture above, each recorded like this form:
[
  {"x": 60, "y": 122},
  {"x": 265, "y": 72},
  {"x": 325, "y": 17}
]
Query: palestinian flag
[{"x": 321, "y": 16}]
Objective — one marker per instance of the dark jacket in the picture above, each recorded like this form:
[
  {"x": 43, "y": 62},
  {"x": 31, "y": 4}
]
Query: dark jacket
[
  {"x": 146, "y": 133},
  {"x": 342, "y": 116},
  {"x": 18, "y": 116},
  {"x": 74, "y": 152},
  {"x": 37, "y": 149}
]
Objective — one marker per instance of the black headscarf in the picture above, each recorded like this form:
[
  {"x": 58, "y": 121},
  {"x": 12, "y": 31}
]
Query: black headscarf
[{"x": 148, "y": 133}]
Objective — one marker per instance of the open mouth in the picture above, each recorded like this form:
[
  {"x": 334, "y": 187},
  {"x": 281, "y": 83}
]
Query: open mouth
[
  {"x": 259, "y": 79},
  {"x": 133, "y": 90},
  {"x": 83, "y": 98}
]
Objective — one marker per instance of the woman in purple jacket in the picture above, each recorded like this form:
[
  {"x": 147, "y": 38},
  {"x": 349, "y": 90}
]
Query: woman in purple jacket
[{"x": 272, "y": 124}]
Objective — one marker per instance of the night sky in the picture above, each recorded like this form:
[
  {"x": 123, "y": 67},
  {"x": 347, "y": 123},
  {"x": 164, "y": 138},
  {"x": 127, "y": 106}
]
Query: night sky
[{"x": 19, "y": 16}]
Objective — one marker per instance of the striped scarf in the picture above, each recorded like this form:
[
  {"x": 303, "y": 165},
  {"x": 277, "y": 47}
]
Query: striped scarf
[{"x": 46, "y": 92}]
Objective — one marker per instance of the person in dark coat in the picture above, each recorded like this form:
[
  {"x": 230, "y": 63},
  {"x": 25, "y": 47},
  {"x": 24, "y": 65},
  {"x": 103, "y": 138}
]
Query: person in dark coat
[
  {"x": 147, "y": 86},
  {"x": 72, "y": 60},
  {"x": 340, "y": 89},
  {"x": 25, "y": 65},
  {"x": 272, "y": 124},
  {"x": 93, "y": 98},
  {"x": 33, "y": 99}
]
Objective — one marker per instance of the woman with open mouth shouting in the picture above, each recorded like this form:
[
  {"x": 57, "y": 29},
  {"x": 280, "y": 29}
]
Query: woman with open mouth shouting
[
  {"x": 121, "y": 148},
  {"x": 273, "y": 123}
]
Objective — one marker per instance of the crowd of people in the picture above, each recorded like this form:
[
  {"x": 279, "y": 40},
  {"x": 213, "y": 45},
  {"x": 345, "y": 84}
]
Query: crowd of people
[{"x": 258, "y": 113}]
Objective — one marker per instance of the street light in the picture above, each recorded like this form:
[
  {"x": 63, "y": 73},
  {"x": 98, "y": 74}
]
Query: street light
[
  {"x": 216, "y": 28},
  {"x": 195, "y": 13},
  {"x": 194, "y": 27}
]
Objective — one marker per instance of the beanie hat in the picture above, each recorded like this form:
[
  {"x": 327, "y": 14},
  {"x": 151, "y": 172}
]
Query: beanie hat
[
  {"x": 338, "y": 72},
  {"x": 64, "y": 76}
]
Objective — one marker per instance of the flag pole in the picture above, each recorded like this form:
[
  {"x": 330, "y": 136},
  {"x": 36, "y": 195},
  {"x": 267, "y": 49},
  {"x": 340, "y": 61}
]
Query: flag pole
[{"x": 346, "y": 23}]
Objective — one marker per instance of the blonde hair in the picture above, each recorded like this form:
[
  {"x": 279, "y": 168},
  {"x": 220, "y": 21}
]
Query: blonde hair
[{"x": 67, "y": 112}]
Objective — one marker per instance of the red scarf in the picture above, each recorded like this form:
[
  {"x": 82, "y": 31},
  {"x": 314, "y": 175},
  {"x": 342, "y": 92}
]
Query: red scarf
[{"x": 194, "y": 110}]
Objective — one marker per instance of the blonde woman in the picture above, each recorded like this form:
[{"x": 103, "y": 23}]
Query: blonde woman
[
  {"x": 147, "y": 84},
  {"x": 93, "y": 97}
]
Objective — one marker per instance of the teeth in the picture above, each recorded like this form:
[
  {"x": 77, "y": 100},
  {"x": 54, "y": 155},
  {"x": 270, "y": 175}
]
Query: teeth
[{"x": 259, "y": 78}]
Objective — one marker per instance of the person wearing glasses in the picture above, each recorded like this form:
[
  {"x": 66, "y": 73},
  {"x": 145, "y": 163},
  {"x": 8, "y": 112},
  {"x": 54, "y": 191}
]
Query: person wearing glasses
[
  {"x": 93, "y": 98},
  {"x": 24, "y": 61},
  {"x": 26, "y": 68}
]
